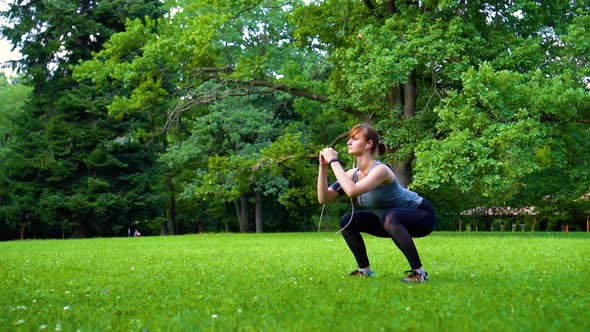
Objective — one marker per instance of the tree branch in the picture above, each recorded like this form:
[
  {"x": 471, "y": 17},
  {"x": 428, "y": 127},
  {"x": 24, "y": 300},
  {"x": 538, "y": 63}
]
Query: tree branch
[
  {"x": 338, "y": 138},
  {"x": 265, "y": 162},
  {"x": 215, "y": 70},
  {"x": 391, "y": 8},
  {"x": 246, "y": 9},
  {"x": 374, "y": 10},
  {"x": 370, "y": 5},
  {"x": 209, "y": 72},
  {"x": 237, "y": 89},
  {"x": 187, "y": 103},
  {"x": 294, "y": 91}
]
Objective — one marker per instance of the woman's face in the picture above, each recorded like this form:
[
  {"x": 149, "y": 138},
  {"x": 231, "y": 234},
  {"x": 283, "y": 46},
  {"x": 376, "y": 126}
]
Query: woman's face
[{"x": 357, "y": 144}]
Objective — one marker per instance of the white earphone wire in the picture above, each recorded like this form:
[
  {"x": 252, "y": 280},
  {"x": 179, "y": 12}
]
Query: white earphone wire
[{"x": 351, "y": 202}]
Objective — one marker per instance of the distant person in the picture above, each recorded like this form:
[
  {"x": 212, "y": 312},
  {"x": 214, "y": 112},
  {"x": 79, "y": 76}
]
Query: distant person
[
  {"x": 136, "y": 233},
  {"x": 388, "y": 209}
]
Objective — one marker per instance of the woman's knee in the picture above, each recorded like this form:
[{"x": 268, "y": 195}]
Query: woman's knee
[
  {"x": 345, "y": 220},
  {"x": 425, "y": 228},
  {"x": 390, "y": 221}
]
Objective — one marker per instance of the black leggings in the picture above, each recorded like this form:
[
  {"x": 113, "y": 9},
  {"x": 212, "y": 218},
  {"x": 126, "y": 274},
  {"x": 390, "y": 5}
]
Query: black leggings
[{"x": 399, "y": 224}]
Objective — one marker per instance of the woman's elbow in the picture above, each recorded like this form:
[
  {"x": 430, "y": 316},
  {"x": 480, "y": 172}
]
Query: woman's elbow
[{"x": 351, "y": 193}]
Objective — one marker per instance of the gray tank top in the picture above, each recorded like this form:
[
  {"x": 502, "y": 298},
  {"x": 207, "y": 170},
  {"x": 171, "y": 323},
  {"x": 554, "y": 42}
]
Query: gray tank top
[{"x": 384, "y": 197}]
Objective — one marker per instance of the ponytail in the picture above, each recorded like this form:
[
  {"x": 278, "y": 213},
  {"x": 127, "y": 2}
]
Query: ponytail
[{"x": 381, "y": 149}]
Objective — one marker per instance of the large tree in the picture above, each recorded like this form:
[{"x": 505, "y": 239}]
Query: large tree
[
  {"x": 481, "y": 99},
  {"x": 85, "y": 172},
  {"x": 200, "y": 63},
  {"x": 13, "y": 199},
  {"x": 462, "y": 92},
  {"x": 517, "y": 127}
]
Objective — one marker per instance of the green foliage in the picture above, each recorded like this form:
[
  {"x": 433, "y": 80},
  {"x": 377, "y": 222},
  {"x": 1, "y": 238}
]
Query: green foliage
[
  {"x": 505, "y": 130},
  {"x": 70, "y": 174},
  {"x": 501, "y": 128},
  {"x": 13, "y": 97},
  {"x": 500, "y": 88},
  {"x": 218, "y": 140},
  {"x": 220, "y": 100}
]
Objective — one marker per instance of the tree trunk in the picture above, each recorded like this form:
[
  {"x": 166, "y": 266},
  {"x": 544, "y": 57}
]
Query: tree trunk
[
  {"x": 390, "y": 7},
  {"x": 237, "y": 205},
  {"x": 22, "y": 232},
  {"x": 395, "y": 97},
  {"x": 403, "y": 169},
  {"x": 410, "y": 95},
  {"x": 171, "y": 208},
  {"x": 163, "y": 228},
  {"x": 201, "y": 227},
  {"x": 244, "y": 213},
  {"x": 81, "y": 231},
  {"x": 258, "y": 212}
]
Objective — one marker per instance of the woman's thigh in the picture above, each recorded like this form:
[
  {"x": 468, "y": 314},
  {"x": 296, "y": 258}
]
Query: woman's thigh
[
  {"x": 363, "y": 221},
  {"x": 418, "y": 222}
]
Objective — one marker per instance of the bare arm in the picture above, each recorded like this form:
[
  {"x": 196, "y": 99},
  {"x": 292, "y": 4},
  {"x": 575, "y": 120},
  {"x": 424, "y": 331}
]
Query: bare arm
[
  {"x": 325, "y": 194},
  {"x": 381, "y": 174}
]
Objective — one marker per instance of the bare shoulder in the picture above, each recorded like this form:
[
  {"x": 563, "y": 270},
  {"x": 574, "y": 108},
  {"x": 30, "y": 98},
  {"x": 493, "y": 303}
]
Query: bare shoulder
[
  {"x": 385, "y": 172},
  {"x": 350, "y": 172}
]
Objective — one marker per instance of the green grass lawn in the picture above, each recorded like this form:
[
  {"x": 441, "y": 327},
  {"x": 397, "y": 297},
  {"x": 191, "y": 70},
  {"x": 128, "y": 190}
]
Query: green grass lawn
[{"x": 295, "y": 282}]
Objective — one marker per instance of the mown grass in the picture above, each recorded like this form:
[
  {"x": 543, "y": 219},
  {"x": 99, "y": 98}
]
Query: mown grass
[{"x": 295, "y": 282}]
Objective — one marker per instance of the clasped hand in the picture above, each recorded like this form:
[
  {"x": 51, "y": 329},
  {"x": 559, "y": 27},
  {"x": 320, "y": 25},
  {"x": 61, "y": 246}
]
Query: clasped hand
[{"x": 327, "y": 154}]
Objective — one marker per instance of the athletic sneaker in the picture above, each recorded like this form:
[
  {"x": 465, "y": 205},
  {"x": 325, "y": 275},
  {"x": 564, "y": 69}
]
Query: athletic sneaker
[
  {"x": 359, "y": 273},
  {"x": 415, "y": 276}
]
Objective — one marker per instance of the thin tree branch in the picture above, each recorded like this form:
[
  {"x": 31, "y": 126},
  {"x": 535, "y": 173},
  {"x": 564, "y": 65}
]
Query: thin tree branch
[
  {"x": 338, "y": 138},
  {"x": 210, "y": 72},
  {"x": 239, "y": 88},
  {"x": 207, "y": 70},
  {"x": 246, "y": 9},
  {"x": 190, "y": 102},
  {"x": 294, "y": 91},
  {"x": 265, "y": 162}
]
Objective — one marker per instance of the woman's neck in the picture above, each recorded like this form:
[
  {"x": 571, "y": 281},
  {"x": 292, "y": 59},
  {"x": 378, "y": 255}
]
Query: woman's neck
[{"x": 364, "y": 162}]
